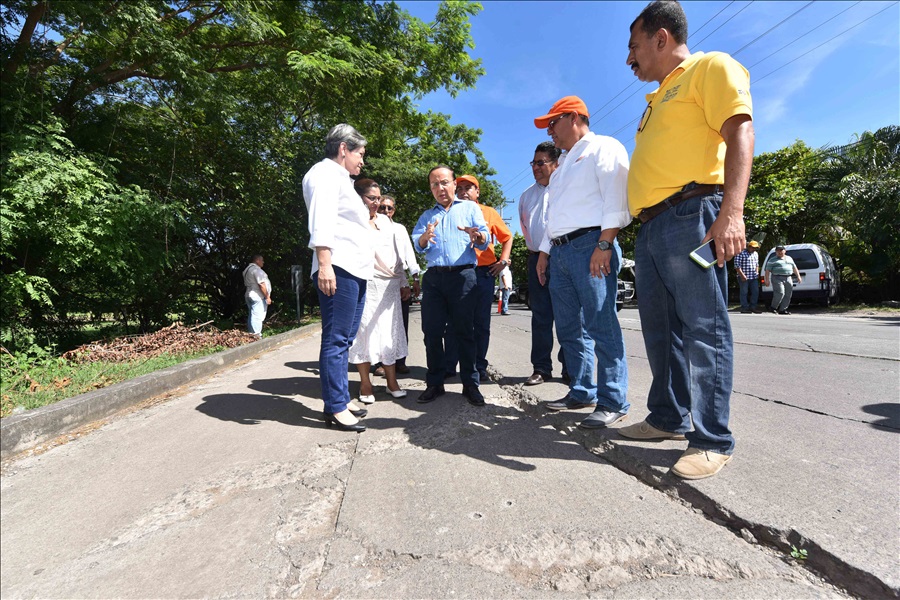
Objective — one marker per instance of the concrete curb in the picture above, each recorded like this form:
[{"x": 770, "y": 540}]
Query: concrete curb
[{"x": 23, "y": 431}]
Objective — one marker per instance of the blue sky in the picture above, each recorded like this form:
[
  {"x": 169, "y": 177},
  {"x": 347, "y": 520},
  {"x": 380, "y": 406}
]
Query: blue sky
[{"x": 536, "y": 52}]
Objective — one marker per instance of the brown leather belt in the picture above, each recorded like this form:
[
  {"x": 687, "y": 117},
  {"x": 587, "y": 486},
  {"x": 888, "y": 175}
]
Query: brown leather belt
[{"x": 691, "y": 190}]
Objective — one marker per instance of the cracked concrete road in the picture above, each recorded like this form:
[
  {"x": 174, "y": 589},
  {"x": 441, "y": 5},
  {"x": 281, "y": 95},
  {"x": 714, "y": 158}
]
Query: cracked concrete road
[{"x": 236, "y": 489}]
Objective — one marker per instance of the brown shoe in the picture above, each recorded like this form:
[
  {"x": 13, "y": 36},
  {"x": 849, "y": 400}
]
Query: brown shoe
[
  {"x": 646, "y": 431},
  {"x": 402, "y": 369},
  {"x": 537, "y": 378},
  {"x": 699, "y": 464}
]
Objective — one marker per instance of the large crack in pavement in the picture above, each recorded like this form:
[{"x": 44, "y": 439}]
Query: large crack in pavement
[
  {"x": 817, "y": 412},
  {"x": 820, "y": 561}
]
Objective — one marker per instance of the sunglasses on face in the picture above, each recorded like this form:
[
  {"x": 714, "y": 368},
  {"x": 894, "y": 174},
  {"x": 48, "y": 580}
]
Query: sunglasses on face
[
  {"x": 385, "y": 209},
  {"x": 541, "y": 163}
]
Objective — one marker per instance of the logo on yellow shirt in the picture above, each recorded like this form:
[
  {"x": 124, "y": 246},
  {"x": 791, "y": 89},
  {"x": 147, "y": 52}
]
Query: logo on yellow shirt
[{"x": 671, "y": 93}]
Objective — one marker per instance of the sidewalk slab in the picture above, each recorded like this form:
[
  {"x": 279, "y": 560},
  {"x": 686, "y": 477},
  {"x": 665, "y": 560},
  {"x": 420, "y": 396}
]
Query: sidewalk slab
[{"x": 30, "y": 428}]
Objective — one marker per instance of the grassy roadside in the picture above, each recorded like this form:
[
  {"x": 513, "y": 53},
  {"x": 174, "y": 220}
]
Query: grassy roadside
[{"x": 38, "y": 380}]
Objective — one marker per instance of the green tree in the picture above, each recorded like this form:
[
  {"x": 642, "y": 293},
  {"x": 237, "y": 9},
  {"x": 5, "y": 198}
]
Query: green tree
[
  {"x": 211, "y": 113},
  {"x": 863, "y": 178}
]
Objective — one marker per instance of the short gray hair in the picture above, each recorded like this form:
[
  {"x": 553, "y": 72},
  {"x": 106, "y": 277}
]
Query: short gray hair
[{"x": 342, "y": 134}]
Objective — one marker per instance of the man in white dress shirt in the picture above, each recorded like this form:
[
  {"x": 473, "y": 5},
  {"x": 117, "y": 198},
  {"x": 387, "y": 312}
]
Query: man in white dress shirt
[
  {"x": 533, "y": 220},
  {"x": 588, "y": 205}
]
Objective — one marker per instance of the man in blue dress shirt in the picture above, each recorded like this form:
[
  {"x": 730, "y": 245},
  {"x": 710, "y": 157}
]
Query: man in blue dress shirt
[{"x": 447, "y": 235}]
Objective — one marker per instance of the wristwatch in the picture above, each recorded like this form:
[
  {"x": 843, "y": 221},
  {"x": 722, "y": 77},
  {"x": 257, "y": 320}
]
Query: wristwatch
[
  {"x": 604, "y": 245},
  {"x": 505, "y": 263}
]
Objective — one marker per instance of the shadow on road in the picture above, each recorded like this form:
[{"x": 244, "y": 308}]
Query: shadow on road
[{"x": 890, "y": 412}]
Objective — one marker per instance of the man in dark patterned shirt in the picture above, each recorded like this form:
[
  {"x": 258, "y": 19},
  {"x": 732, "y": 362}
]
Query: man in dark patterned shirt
[{"x": 746, "y": 264}]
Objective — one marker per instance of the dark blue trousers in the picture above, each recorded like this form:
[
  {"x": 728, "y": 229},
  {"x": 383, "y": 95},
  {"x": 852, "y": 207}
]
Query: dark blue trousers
[
  {"x": 484, "y": 302},
  {"x": 448, "y": 302}
]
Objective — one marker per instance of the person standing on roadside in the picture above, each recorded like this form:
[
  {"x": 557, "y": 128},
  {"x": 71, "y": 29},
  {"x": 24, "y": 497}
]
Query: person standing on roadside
[
  {"x": 505, "y": 288},
  {"x": 533, "y": 221},
  {"x": 780, "y": 270},
  {"x": 689, "y": 174},
  {"x": 486, "y": 271},
  {"x": 257, "y": 294},
  {"x": 343, "y": 259},
  {"x": 587, "y": 207},
  {"x": 746, "y": 265},
  {"x": 388, "y": 207},
  {"x": 447, "y": 234}
]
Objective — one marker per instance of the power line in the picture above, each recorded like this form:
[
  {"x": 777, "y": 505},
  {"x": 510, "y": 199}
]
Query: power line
[
  {"x": 826, "y": 42},
  {"x": 773, "y": 28},
  {"x": 726, "y": 22},
  {"x": 803, "y": 36}
]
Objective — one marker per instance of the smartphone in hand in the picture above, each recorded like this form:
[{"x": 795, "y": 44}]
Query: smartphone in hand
[{"x": 705, "y": 255}]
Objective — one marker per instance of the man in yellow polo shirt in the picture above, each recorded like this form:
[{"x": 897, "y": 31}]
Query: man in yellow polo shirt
[
  {"x": 486, "y": 271},
  {"x": 688, "y": 179}
]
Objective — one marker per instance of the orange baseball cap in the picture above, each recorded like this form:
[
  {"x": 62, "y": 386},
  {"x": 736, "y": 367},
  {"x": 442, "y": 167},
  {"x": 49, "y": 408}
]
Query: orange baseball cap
[
  {"x": 469, "y": 178},
  {"x": 569, "y": 104}
]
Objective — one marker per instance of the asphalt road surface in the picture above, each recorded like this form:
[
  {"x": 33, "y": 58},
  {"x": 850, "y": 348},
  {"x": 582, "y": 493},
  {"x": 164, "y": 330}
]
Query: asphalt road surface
[{"x": 233, "y": 487}]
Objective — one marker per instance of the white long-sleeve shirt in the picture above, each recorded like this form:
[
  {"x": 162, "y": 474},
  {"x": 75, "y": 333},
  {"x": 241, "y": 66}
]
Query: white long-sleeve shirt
[
  {"x": 338, "y": 219},
  {"x": 533, "y": 215},
  {"x": 589, "y": 189},
  {"x": 407, "y": 254}
]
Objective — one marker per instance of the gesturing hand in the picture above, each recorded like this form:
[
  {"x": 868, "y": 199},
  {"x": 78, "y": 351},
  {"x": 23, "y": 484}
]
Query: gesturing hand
[
  {"x": 475, "y": 236},
  {"x": 429, "y": 236}
]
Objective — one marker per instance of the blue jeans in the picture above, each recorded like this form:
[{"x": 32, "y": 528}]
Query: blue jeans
[
  {"x": 684, "y": 319},
  {"x": 541, "y": 321},
  {"x": 448, "y": 301},
  {"x": 341, "y": 315},
  {"x": 504, "y": 301},
  {"x": 484, "y": 301},
  {"x": 586, "y": 322},
  {"x": 257, "y": 313},
  {"x": 751, "y": 285}
]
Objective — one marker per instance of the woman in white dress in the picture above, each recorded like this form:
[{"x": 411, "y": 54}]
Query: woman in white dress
[{"x": 381, "y": 337}]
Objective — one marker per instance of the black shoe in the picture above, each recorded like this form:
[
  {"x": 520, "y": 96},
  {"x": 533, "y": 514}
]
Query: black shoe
[
  {"x": 601, "y": 418},
  {"x": 773, "y": 310},
  {"x": 431, "y": 393},
  {"x": 784, "y": 312},
  {"x": 537, "y": 378},
  {"x": 756, "y": 310},
  {"x": 402, "y": 369},
  {"x": 449, "y": 374},
  {"x": 745, "y": 311},
  {"x": 359, "y": 414},
  {"x": 473, "y": 395},
  {"x": 330, "y": 420}
]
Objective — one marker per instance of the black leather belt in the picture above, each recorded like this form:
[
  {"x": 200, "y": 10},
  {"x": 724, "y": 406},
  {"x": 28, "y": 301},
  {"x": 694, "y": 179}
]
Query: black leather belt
[
  {"x": 455, "y": 269},
  {"x": 488, "y": 267},
  {"x": 691, "y": 190},
  {"x": 572, "y": 235}
]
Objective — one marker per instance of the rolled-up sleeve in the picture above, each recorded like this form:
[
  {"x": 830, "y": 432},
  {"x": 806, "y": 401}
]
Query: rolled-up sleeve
[
  {"x": 612, "y": 176},
  {"x": 323, "y": 192}
]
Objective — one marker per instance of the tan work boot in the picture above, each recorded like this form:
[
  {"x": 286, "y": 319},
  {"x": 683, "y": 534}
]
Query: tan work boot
[
  {"x": 646, "y": 431},
  {"x": 699, "y": 464}
]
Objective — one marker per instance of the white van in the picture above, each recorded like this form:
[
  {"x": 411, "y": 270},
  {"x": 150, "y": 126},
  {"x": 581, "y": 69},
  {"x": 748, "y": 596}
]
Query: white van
[{"x": 821, "y": 277}]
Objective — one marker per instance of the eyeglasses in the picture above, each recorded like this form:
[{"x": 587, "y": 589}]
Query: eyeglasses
[
  {"x": 441, "y": 184},
  {"x": 553, "y": 122},
  {"x": 645, "y": 118},
  {"x": 373, "y": 198},
  {"x": 541, "y": 163},
  {"x": 384, "y": 209}
]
